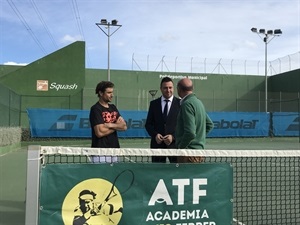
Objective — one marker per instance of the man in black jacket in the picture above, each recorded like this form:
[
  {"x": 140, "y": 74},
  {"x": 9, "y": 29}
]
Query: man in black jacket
[{"x": 161, "y": 120}]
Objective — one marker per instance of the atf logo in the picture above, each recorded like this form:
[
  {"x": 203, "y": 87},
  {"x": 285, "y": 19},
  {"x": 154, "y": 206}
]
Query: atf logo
[
  {"x": 64, "y": 123},
  {"x": 97, "y": 201},
  {"x": 86, "y": 204},
  {"x": 294, "y": 126}
]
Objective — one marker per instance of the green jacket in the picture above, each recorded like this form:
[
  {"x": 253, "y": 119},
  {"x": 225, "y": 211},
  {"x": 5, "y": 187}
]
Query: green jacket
[{"x": 193, "y": 124}]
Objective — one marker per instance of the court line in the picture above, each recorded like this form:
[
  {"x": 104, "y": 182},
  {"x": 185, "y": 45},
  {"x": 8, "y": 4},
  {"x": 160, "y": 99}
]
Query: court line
[{"x": 4, "y": 154}]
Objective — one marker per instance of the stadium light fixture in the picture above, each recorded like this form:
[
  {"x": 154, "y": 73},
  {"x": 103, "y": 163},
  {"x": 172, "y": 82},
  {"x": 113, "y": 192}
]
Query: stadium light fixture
[
  {"x": 266, "y": 36},
  {"x": 107, "y": 25}
]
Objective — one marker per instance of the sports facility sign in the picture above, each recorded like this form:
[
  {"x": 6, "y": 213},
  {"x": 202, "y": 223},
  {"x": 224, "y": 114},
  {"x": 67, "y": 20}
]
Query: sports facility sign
[{"x": 136, "y": 194}]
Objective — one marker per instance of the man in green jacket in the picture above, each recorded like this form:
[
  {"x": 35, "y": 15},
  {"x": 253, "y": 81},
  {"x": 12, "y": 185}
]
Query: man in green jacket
[{"x": 193, "y": 123}]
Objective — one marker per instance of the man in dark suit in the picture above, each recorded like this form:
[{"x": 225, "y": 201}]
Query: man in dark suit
[{"x": 161, "y": 120}]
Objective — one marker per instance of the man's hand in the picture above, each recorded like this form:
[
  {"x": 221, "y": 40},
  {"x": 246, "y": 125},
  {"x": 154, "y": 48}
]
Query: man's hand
[
  {"x": 168, "y": 139},
  {"x": 159, "y": 138},
  {"x": 120, "y": 120},
  {"x": 120, "y": 124}
]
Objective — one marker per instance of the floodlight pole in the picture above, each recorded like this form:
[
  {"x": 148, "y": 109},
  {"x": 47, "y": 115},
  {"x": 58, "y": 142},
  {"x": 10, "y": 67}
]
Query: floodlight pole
[
  {"x": 107, "y": 25},
  {"x": 266, "y": 39},
  {"x": 266, "y": 72}
]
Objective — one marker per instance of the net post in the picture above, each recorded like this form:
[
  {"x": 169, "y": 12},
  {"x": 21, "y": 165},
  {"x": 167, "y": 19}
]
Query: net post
[
  {"x": 32, "y": 185},
  {"x": 299, "y": 115}
]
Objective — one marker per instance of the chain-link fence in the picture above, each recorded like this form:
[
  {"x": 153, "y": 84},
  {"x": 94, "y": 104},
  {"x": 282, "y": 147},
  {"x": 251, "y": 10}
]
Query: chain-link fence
[
  {"x": 10, "y": 107},
  {"x": 214, "y": 100},
  {"x": 215, "y": 66}
]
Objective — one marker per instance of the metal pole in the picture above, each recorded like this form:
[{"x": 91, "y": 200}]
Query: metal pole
[
  {"x": 299, "y": 115},
  {"x": 276, "y": 32},
  {"x": 108, "y": 50},
  {"x": 32, "y": 185},
  {"x": 266, "y": 73},
  {"x": 107, "y": 25}
]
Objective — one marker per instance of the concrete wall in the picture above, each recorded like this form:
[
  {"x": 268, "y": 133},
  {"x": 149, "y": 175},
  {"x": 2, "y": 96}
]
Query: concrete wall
[
  {"x": 55, "y": 81},
  {"x": 218, "y": 92},
  {"x": 285, "y": 95}
]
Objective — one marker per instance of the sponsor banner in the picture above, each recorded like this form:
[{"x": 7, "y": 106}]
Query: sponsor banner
[
  {"x": 136, "y": 194},
  {"x": 240, "y": 124},
  {"x": 286, "y": 123},
  {"x": 75, "y": 123},
  {"x": 59, "y": 123}
]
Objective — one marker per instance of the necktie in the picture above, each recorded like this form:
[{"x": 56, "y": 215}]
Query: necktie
[{"x": 165, "y": 113}]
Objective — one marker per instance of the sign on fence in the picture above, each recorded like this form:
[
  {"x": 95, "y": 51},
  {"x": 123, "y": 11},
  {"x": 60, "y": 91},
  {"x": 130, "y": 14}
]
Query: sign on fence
[
  {"x": 136, "y": 194},
  {"x": 75, "y": 123}
]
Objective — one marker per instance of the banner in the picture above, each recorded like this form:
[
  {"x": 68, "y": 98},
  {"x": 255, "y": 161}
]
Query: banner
[
  {"x": 75, "y": 123},
  {"x": 286, "y": 124},
  {"x": 136, "y": 194},
  {"x": 240, "y": 124}
]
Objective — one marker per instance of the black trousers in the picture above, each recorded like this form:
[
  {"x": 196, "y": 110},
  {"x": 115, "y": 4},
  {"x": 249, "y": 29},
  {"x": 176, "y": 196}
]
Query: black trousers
[{"x": 163, "y": 159}]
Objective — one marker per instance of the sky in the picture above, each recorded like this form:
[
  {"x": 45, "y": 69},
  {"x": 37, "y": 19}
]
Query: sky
[{"x": 154, "y": 33}]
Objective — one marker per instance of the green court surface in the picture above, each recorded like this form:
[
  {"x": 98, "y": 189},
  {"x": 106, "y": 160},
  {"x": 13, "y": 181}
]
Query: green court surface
[
  {"x": 12, "y": 187},
  {"x": 13, "y": 166}
]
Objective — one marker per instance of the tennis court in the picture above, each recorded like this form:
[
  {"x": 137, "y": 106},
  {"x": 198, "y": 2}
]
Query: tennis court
[{"x": 13, "y": 166}]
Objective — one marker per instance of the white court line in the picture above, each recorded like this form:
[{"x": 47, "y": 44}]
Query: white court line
[{"x": 4, "y": 154}]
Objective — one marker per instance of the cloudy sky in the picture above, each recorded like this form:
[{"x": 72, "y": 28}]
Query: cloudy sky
[{"x": 151, "y": 30}]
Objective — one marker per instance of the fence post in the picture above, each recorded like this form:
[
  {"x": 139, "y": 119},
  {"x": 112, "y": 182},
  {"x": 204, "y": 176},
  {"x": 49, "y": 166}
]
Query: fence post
[{"x": 32, "y": 185}]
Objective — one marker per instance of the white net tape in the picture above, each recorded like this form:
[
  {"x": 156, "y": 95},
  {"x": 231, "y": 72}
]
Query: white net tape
[{"x": 51, "y": 150}]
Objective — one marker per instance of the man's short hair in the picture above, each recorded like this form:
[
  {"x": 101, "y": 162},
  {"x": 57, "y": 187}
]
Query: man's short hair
[
  {"x": 165, "y": 79},
  {"x": 101, "y": 87}
]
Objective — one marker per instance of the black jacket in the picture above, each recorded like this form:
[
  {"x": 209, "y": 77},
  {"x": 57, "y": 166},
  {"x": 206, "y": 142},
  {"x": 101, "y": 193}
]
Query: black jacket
[{"x": 155, "y": 122}]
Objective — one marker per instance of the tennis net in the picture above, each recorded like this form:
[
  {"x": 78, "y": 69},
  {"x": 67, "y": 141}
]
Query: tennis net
[{"x": 266, "y": 183}]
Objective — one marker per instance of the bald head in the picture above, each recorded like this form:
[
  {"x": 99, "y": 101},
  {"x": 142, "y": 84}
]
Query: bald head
[
  {"x": 184, "y": 87},
  {"x": 186, "y": 84}
]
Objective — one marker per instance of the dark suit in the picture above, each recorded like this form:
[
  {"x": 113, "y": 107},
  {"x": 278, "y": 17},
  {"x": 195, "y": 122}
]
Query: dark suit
[{"x": 155, "y": 124}]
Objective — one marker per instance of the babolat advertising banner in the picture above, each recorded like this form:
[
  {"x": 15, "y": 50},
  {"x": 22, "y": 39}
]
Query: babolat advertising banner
[
  {"x": 286, "y": 124},
  {"x": 75, "y": 123},
  {"x": 240, "y": 124},
  {"x": 136, "y": 194}
]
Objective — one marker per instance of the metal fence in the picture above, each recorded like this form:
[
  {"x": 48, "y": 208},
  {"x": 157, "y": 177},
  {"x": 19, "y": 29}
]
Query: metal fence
[
  {"x": 214, "y": 66},
  {"x": 214, "y": 100},
  {"x": 10, "y": 107},
  {"x": 12, "y": 113}
]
